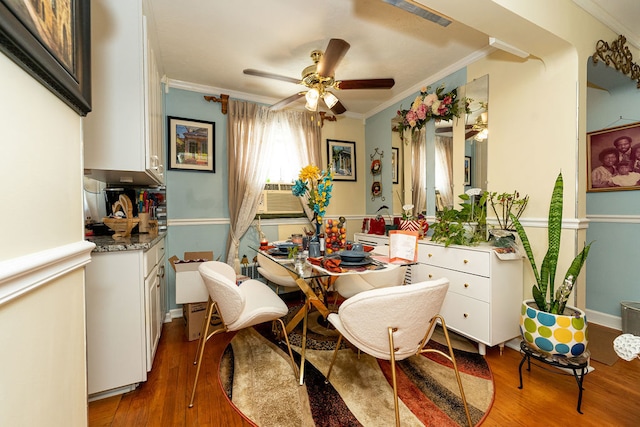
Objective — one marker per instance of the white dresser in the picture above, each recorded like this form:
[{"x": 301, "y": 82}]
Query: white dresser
[{"x": 485, "y": 290}]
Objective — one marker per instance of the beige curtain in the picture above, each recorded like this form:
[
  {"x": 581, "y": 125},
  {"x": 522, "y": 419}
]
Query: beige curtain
[
  {"x": 249, "y": 132},
  {"x": 309, "y": 133},
  {"x": 419, "y": 171},
  {"x": 444, "y": 169},
  {"x": 247, "y": 129}
]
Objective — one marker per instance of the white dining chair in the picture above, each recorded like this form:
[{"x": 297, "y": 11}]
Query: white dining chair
[
  {"x": 237, "y": 307},
  {"x": 276, "y": 274},
  {"x": 348, "y": 285},
  {"x": 394, "y": 324}
]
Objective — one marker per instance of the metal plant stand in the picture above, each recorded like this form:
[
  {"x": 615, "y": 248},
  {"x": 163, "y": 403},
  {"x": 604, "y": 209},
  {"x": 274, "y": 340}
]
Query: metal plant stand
[{"x": 579, "y": 365}]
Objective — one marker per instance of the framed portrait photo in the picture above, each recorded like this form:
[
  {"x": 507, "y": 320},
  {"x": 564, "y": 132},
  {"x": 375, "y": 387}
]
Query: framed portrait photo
[
  {"x": 467, "y": 170},
  {"x": 50, "y": 40},
  {"x": 342, "y": 158},
  {"x": 191, "y": 144},
  {"x": 395, "y": 167},
  {"x": 613, "y": 159}
]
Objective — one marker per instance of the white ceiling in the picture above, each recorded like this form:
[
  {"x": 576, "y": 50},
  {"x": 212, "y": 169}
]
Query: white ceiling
[{"x": 209, "y": 43}]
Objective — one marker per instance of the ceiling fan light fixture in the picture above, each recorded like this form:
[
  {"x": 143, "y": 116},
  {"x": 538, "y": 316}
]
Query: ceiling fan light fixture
[
  {"x": 330, "y": 99},
  {"x": 312, "y": 96}
]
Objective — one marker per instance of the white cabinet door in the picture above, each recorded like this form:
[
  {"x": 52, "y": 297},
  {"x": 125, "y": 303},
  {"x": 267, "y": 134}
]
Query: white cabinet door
[
  {"x": 152, "y": 303},
  {"x": 115, "y": 321}
]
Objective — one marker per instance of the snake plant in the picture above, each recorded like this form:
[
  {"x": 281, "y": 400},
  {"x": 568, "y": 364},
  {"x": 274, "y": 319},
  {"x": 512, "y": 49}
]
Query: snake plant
[{"x": 545, "y": 278}]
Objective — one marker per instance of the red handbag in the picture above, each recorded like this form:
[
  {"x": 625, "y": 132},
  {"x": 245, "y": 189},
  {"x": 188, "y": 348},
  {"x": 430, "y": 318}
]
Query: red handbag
[{"x": 377, "y": 226}]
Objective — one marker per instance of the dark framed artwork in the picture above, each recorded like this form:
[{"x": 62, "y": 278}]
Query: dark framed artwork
[
  {"x": 395, "y": 166},
  {"x": 342, "y": 158},
  {"x": 51, "y": 40},
  {"x": 467, "y": 170},
  {"x": 191, "y": 144},
  {"x": 613, "y": 159}
]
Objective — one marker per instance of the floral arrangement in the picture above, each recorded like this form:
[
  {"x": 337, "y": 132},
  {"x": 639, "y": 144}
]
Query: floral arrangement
[
  {"x": 435, "y": 105},
  {"x": 317, "y": 186}
]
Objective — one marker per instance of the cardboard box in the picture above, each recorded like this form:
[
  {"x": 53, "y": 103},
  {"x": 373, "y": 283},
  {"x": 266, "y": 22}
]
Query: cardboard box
[
  {"x": 193, "y": 315},
  {"x": 189, "y": 285}
]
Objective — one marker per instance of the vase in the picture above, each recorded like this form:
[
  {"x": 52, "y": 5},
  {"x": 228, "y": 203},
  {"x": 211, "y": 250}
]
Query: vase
[
  {"x": 419, "y": 225},
  {"x": 555, "y": 334}
]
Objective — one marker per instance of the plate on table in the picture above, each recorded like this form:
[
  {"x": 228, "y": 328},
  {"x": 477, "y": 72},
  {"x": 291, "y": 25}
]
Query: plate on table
[
  {"x": 362, "y": 262},
  {"x": 278, "y": 251},
  {"x": 285, "y": 246},
  {"x": 352, "y": 256}
]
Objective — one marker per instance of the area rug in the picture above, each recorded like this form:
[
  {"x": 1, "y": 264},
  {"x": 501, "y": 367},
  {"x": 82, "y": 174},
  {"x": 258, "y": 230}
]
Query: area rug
[
  {"x": 259, "y": 381},
  {"x": 601, "y": 344}
]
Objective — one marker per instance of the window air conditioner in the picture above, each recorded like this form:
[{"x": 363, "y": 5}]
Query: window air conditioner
[{"x": 278, "y": 199}]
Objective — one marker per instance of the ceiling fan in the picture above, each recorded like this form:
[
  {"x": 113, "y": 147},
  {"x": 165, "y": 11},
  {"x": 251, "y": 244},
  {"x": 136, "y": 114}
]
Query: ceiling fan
[{"x": 320, "y": 77}]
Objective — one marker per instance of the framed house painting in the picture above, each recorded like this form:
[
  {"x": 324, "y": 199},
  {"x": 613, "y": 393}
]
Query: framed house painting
[
  {"x": 395, "y": 168},
  {"x": 50, "y": 40},
  {"x": 342, "y": 158},
  {"x": 613, "y": 159},
  {"x": 467, "y": 170},
  {"x": 191, "y": 144}
]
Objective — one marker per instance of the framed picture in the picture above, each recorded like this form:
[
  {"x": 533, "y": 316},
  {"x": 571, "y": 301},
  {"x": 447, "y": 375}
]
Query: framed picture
[
  {"x": 395, "y": 168},
  {"x": 467, "y": 170},
  {"x": 613, "y": 158},
  {"x": 191, "y": 144},
  {"x": 51, "y": 41},
  {"x": 342, "y": 157}
]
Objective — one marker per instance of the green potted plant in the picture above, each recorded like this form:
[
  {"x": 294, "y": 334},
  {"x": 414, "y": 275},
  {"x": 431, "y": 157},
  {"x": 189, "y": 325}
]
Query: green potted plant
[
  {"x": 503, "y": 205},
  {"x": 547, "y": 323},
  {"x": 465, "y": 226}
]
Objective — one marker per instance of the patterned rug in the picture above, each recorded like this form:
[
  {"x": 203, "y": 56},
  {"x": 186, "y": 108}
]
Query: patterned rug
[{"x": 257, "y": 376}]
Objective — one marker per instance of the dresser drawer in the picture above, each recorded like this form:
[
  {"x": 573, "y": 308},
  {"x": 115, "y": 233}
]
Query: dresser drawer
[
  {"x": 471, "y": 285},
  {"x": 467, "y": 315},
  {"x": 459, "y": 259}
]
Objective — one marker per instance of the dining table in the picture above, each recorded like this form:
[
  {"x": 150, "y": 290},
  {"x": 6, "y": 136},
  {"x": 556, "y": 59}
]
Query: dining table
[{"x": 315, "y": 277}]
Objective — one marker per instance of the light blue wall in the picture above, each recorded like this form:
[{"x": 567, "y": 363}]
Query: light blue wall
[
  {"x": 611, "y": 276},
  {"x": 378, "y": 135},
  {"x": 197, "y": 195}
]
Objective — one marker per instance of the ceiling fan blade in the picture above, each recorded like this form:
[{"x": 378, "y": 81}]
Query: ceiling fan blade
[
  {"x": 258, "y": 73},
  {"x": 281, "y": 104},
  {"x": 444, "y": 129},
  {"x": 471, "y": 134},
  {"x": 338, "y": 108},
  {"x": 332, "y": 56},
  {"x": 365, "y": 84}
]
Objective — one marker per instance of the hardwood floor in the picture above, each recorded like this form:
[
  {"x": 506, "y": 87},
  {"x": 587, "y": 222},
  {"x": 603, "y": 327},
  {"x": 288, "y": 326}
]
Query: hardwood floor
[{"x": 611, "y": 396}]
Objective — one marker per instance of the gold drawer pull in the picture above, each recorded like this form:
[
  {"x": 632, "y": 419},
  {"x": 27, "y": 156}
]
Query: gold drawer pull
[
  {"x": 466, "y": 285},
  {"x": 430, "y": 276},
  {"x": 430, "y": 255},
  {"x": 465, "y": 315},
  {"x": 466, "y": 261}
]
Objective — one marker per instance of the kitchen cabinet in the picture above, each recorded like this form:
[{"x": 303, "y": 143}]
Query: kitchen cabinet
[
  {"x": 123, "y": 134},
  {"x": 485, "y": 288},
  {"x": 124, "y": 317}
]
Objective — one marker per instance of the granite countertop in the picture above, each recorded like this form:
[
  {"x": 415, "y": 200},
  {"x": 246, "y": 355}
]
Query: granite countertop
[{"x": 131, "y": 243}]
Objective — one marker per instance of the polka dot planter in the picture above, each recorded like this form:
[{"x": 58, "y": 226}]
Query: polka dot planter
[{"x": 563, "y": 335}]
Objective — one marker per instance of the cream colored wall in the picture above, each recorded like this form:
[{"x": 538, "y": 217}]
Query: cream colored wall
[
  {"x": 537, "y": 109},
  {"x": 42, "y": 332}
]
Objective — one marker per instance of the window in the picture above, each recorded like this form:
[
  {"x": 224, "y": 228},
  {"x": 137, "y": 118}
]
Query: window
[{"x": 286, "y": 159}]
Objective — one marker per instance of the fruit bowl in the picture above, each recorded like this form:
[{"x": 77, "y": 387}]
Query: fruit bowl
[{"x": 121, "y": 226}]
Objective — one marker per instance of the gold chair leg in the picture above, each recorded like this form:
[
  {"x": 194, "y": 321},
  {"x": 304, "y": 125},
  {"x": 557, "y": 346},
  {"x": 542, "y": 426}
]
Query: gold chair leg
[
  {"x": 451, "y": 357},
  {"x": 201, "y": 339},
  {"x": 333, "y": 359},
  {"x": 286, "y": 338},
  {"x": 205, "y": 335},
  {"x": 392, "y": 352}
]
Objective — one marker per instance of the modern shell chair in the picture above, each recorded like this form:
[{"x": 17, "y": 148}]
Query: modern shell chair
[
  {"x": 348, "y": 285},
  {"x": 275, "y": 273},
  {"x": 237, "y": 307},
  {"x": 394, "y": 324}
]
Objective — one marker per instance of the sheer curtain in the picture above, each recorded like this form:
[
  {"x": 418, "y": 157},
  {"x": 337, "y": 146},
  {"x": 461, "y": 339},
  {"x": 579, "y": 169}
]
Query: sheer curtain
[
  {"x": 253, "y": 134},
  {"x": 247, "y": 127},
  {"x": 308, "y": 133},
  {"x": 418, "y": 174},
  {"x": 444, "y": 169}
]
